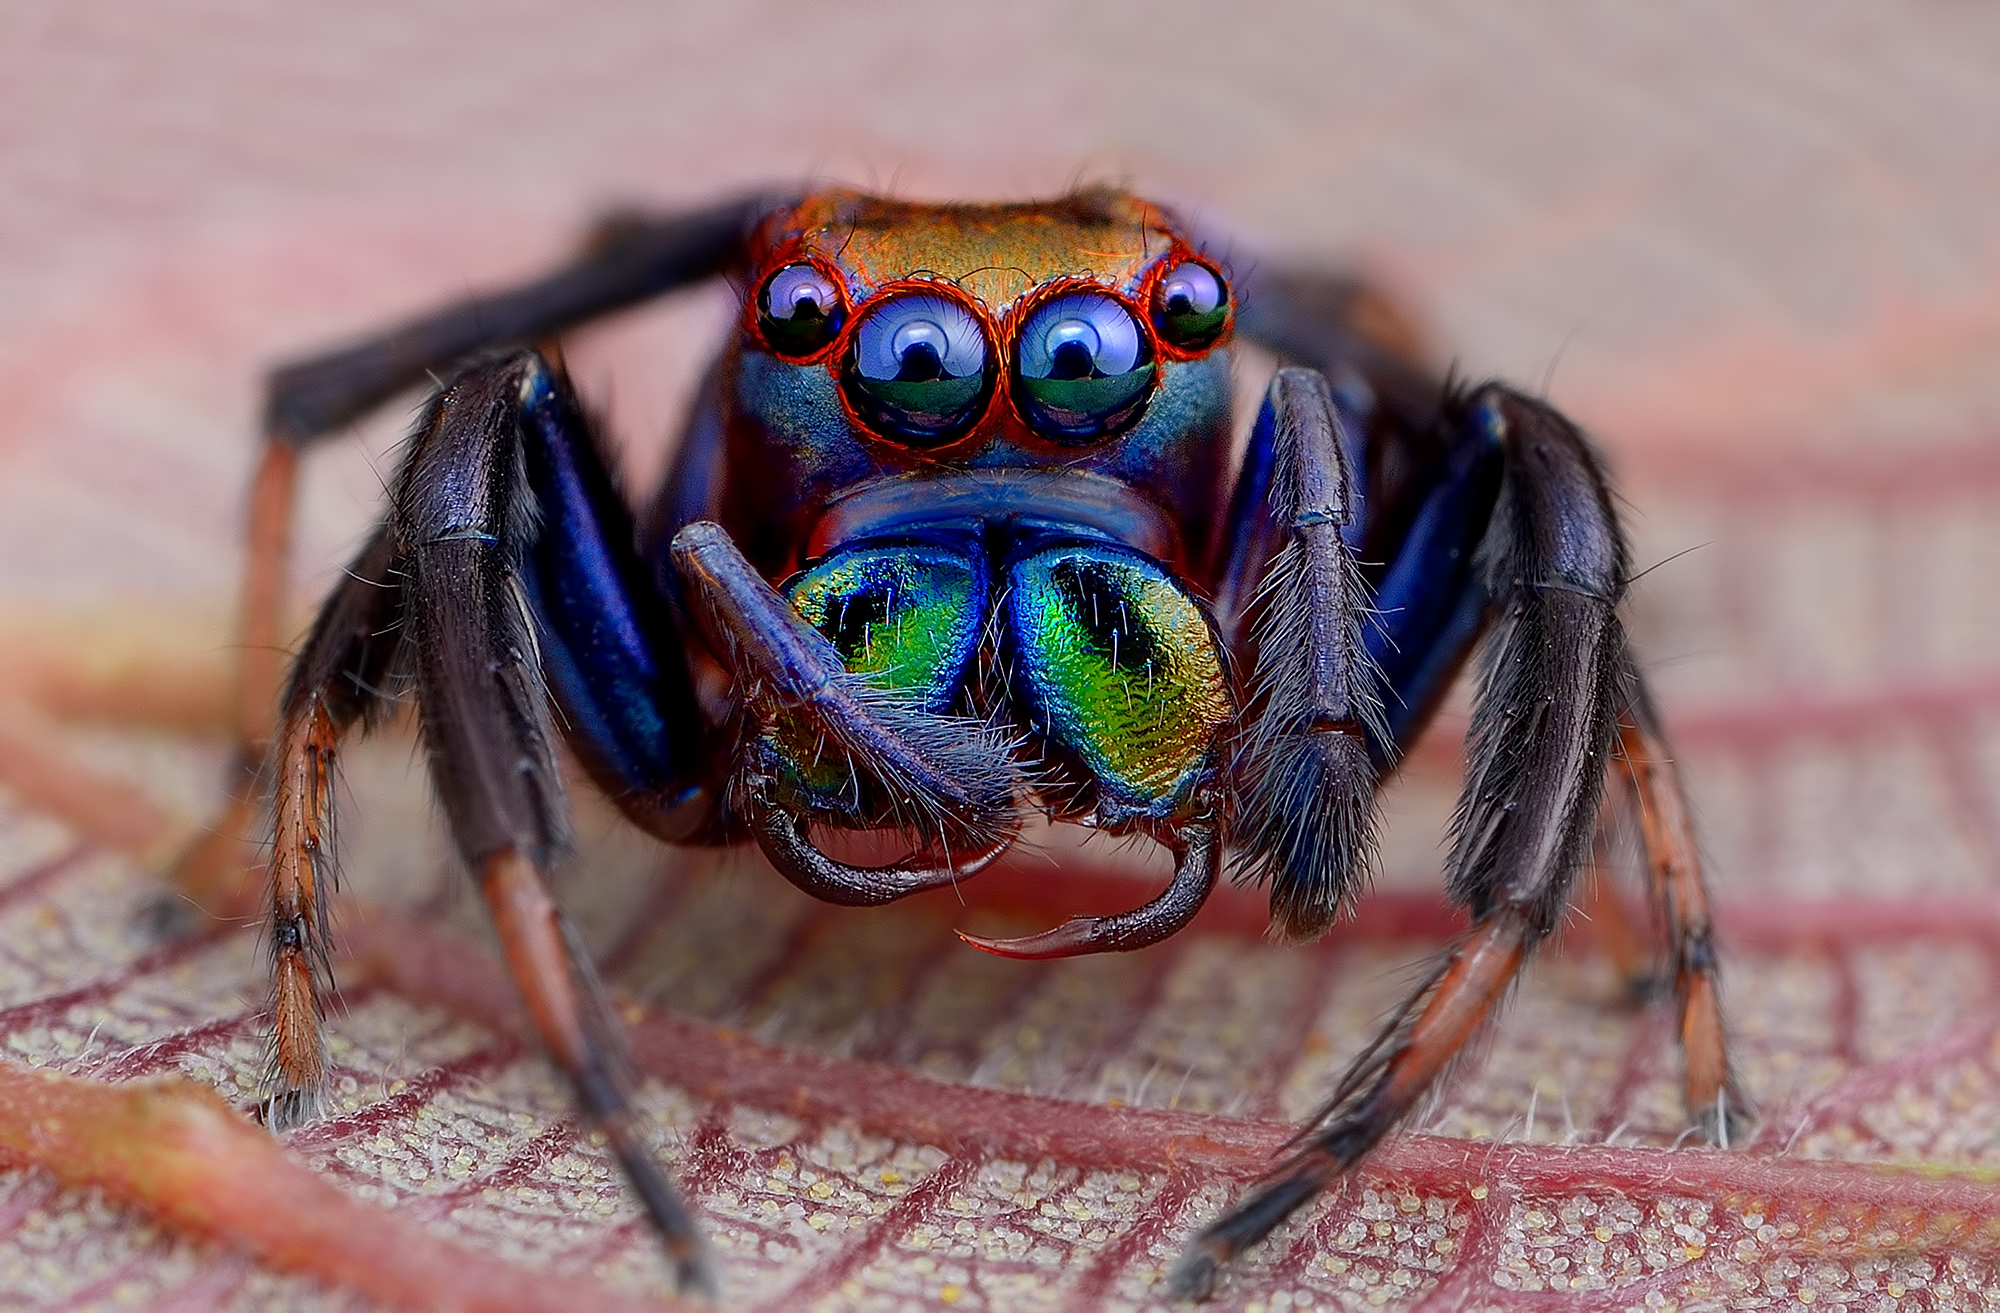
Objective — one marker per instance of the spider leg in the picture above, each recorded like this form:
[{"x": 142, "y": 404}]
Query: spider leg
[
  {"x": 208, "y": 872},
  {"x": 629, "y": 259},
  {"x": 348, "y": 661},
  {"x": 1553, "y": 562},
  {"x": 1304, "y": 776},
  {"x": 1716, "y": 1103},
  {"x": 950, "y": 778},
  {"x": 463, "y": 516}
]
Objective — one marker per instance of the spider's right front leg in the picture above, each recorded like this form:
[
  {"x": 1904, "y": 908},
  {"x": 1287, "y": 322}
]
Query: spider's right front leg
[{"x": 1544, "y": 720}]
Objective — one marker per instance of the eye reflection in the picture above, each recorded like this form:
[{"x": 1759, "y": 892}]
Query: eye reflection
[
  {"x": 800, "y": 310},
  {"x": 1083, "y": 368},
  {"x": 919, "y": 371},
  {"x": 1191, "y": 306}
]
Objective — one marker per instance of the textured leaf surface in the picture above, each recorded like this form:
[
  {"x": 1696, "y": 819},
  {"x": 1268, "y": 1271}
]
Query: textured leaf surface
[{"x": 865, "y": 1110}]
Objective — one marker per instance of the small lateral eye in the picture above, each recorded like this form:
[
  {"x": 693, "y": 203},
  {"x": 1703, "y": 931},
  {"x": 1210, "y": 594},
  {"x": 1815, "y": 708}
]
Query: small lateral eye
[
  {"x": 1083, "y": 367},
  {"x": 919, "y": 369},
  {"x": 799, "y": 310},
  {"x": 1191, "y": 306}
]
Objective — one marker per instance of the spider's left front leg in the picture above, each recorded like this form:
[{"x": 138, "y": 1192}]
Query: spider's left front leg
[
  {"x": 502, "y": 520},
  {"x": 1553, "y": 562}
]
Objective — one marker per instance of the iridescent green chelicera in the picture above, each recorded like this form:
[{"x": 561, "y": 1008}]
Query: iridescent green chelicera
[
  {"x": 907, "y": 617},
  {"x": 1119, "y": 667}
]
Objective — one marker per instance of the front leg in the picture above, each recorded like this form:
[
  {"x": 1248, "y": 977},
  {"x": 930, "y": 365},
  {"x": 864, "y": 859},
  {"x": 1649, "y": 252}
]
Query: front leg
[
  {"x": 1554, "y": 562},
  {"x": 463, "y": 520},
  {"x": 1306, "y": 784},
  {"x": 444, "y": 592}
]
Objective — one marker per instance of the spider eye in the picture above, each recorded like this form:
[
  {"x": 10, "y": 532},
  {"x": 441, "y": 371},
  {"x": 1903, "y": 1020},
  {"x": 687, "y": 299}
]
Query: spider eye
[
  {"x": 1191, "y": 306},
  {"x": 800, "y": 310},
  {"x": 1083, "y": 367},
  {"x": 918, "y": 370}
]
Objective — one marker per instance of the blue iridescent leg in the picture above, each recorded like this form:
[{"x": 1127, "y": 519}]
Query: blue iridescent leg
[
  {"x": 609, "y": 646},
  {"x": 1430, "y": 604}
]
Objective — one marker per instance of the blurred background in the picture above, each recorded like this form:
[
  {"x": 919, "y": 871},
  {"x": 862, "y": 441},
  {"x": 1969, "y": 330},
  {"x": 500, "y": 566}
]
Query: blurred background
[
  {"x": 1755, "y": 250},
  {"x": 1728, "y": 232}
]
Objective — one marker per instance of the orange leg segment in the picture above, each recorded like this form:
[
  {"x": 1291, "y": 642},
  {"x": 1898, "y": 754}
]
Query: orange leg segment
[
  {"x": 1408, "y": 1060},
  {"x": 574, "y": 1018},
  {"x": 273, "y": 496},
  {"x": 210, "y": 872},
  {"x": 1715, "y": 1102},
  {"x": 301, "y": 856}
]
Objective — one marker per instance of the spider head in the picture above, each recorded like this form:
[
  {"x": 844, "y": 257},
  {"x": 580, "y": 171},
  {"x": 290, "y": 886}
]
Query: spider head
[{"x": 1038, "y": 334}]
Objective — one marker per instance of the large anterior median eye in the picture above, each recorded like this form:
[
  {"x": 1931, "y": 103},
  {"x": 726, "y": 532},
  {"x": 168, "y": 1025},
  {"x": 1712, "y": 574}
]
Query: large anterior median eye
[
  {"x": 1083, "y": 367},
  {"x": 800, "y": 310},
  {"x": 918, "y": 369},
  {"x": 1190, "y": 306}
]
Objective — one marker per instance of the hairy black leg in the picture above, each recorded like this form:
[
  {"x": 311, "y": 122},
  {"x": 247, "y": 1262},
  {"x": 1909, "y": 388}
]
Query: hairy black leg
[
  {"x": 463, "y": 519},
  {"x": 1716, "y": 1103},
  {"x": 950, "y": 780},
  {"x": 345, "y": 674},
  {"x": 1426, "y": 469},
  {"x": 1554, "y": 562},
  {"x": 629, "y": 259},
  {"x": 1259, "y": 524},
  {"x": 1304, "y": 779}
]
